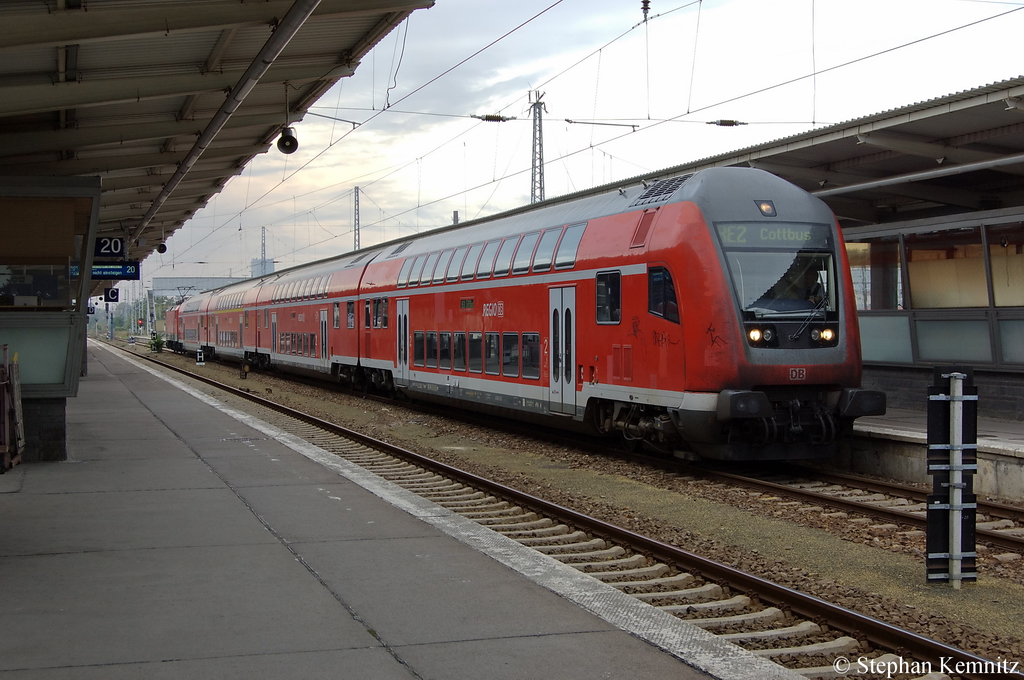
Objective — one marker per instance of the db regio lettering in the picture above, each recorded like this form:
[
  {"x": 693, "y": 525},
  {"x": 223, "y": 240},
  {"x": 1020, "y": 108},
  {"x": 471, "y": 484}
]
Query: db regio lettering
[{"x": 494, "y": 309}]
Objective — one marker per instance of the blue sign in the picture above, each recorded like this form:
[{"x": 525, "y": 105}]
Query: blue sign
[{"x": 121, "y": 271}]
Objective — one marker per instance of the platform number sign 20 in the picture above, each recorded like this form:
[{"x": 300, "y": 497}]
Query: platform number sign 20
[{"x": 108, "y": 246}]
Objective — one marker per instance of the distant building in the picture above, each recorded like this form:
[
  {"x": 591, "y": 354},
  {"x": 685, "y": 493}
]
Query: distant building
[
  {"x": 261, "y": 267},
  {"x": 187, "y": 286}
]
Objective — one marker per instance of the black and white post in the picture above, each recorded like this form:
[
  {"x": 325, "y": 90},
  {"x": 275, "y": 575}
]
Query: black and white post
[{"x": 952, "y": 462}]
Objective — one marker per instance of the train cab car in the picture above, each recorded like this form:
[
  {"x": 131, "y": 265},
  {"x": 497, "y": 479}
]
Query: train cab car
[{"x": 666, "y": 314}]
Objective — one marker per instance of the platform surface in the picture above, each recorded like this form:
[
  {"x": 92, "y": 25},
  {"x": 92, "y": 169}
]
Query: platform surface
[{"x": 179, "y": 541}]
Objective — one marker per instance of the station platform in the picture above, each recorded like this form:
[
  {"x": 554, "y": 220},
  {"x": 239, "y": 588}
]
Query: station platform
[
  {"x": 895, "y": 445},
  {"x": 185, "y": 539}
]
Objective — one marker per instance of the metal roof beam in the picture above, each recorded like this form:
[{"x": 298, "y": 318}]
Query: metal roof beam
[
  {"x": 99, "y": 166},
  {"x": 42, "y": 27},
  {"x": 939, "y": 152},
  {"x": 43, "y": 97},
  {"x": 13, "y": 144}
]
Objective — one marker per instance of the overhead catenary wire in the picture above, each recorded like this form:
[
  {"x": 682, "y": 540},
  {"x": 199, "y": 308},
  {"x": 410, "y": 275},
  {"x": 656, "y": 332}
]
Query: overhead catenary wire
[{"x": 680, "y": 118}]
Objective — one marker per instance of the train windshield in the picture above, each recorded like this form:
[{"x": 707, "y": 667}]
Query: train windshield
[{"x": 780, "y": 269}]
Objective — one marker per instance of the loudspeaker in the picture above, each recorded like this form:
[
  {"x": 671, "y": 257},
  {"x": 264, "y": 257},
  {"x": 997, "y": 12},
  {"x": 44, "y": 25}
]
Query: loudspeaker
[{"x": 287, "y": 143}]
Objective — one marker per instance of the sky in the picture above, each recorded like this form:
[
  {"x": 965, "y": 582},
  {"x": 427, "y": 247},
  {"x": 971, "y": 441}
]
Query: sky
[{"x": 412, "y": 147}]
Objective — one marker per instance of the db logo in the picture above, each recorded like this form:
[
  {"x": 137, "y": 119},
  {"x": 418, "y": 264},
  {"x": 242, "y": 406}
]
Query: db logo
[{"x": 798, "y": 374}]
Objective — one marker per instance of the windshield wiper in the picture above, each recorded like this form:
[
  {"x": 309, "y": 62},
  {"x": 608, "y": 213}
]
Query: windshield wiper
[{"x": 809, "y": 319}]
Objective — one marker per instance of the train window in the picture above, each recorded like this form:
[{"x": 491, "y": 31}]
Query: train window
[
  {"x": 442, "y": 266},
  {"x": 431, "y": 349},
  {"x": 531, "y": 355},
  {"x": 459, "y": 352},
  {"x": 456, "y": 264},
  {"x": 247, "y": 318},
  {"x": 510, "y": 355},
  {"x": 504, "y": 260},
  {"x": 366, "y": 313},
  {"x": 309, "y": 289},
  {"x": 414, "y": 273},
  {"x": 266, "y": 318},
  {"x": 350, "y": 314},
  {"x": 492, "y": 354},
  {"x": 476, "y": 352},
  {"x": 661, "y": 294},
  {"x": 483, "y": 270},
  {"x": 445, "y": 345},
  {"x": 609, "y": 297},
  {"x": 384, "y": 313},
  {"x": 470, "y": 264},
  {"x": 524, "y": 254},
  {"x": 325, "y": 282},
  {"x": 565, "y": 257},
  {"x": 545, "y": 250},
  {"x": 417, "y": 348},
  {"x": 403, "y": 276},
  {"x": 312, "y": 344},
  {"x": 337, "y": 315},
  {"x": 428, "y": 269},
  {"x": 304, "y": 344}
]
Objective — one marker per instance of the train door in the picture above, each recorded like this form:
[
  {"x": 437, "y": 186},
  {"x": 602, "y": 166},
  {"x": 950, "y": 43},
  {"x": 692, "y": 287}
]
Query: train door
[
  {"x": 273, "y": 332},
  {"x": 324, "y": 359},
  {"x": 402, "y": 350},
  {"x": 562, "y": 356}
]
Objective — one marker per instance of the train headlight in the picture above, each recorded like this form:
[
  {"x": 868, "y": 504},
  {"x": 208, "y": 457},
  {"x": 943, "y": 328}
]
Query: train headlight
[
  {"x": 825, "y": 336},
  {"x": 761, "y": 336}
]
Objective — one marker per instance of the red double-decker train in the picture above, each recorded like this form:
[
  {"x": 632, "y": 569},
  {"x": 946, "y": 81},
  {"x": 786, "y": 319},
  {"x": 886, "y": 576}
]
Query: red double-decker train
[{"x": 708, "y": 315}]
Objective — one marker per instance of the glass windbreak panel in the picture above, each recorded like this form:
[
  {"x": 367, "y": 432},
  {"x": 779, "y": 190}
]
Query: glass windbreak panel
[
  {"x": 442, "y": 266},
  {"x": 483, "y": 269},
  {"x": 780, "y": 269},
  {"x": 524, "y": 254},
  {"x": 955, "y": 341},
  {"x": 531, "y": 355},
  {"x": 455, "y": 268},
  {"x": 1011, "y": 332},
  {"x": 946, "y": 269},
  {"x": 566, "y": 254},
  {"x": 503, "y": 262},
  {"x": 1006, "y": 253},
  {"x": 476, "y": 352},
  {"x": 510, "y": 355},
  {"x": 546, "y": 250},
  {"x": 877, "y": 276},
  {"x": 470, "y": 264},
  {"x": 886, "y": 338},
  {"x": 35, "y": 285},
  {"x": 428, "y": 269},
  {"x": 609, "y": 297}
]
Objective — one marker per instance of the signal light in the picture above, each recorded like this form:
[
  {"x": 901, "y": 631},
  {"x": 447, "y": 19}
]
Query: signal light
[{"x": 761, "y": 336}]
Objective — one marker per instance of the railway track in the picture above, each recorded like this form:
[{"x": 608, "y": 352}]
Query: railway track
[
  {"x": 791, "y": 628},
  {"x": 998, "y": 524}
]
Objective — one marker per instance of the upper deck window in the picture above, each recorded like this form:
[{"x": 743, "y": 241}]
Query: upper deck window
[
  {"x": 546, "y": 250},
  {"x": 565, "y": 257},
  {"x": 503, "y": 262},
  {"x": 524, "y": 254}
]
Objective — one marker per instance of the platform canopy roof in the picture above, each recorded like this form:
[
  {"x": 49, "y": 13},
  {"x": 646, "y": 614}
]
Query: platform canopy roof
[
  {"x": 955, "y": 154},
  {"x": 166, "y": 100}
]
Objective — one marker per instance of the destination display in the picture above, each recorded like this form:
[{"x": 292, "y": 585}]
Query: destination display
[
  {"x": 121, "y": 271},
  {"x": 773, "y": 235}
]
